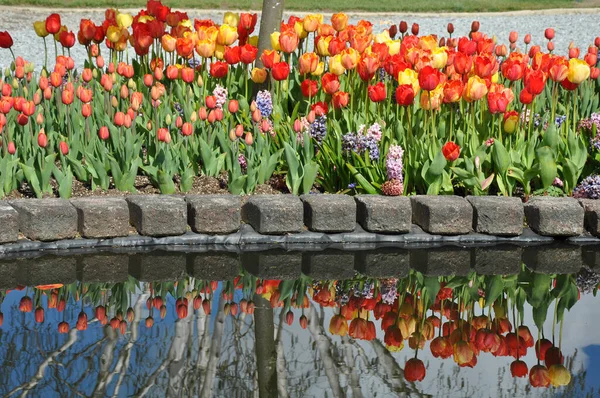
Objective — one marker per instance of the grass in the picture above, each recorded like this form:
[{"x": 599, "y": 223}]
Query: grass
[{"x": 331, "y": 5}]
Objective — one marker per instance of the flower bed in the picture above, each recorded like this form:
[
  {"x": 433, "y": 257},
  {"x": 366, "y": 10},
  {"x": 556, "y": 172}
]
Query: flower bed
[{"x": 331, "y": 106}]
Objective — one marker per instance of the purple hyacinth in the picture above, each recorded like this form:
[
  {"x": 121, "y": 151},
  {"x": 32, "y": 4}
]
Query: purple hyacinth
[
  {"x": 589, "y": 188},
  {"x": 393, "y": 163},
  {"x": 220, "y": 94},
  {"x": 318, "y": 129},
  {"x": 264, "y": 103}
]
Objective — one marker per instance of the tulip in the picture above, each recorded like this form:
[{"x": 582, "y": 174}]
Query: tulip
[
  {"x": 6, "y": 40},
  {"x": 339, "y": 22},
  {"x": 309, "y": 88},
  {"x": 429, "y": 78},
  {"x": 518, "y": 368},
  {"x": 42, "y": 139},
  {"x": 377, "y": 93},
  {"x": 233, "y": 106},
  {"x": 248, "y": 139},
  {"x": 338, "y": 325},
  {"x": 340, "y": 99},
  {"x": 303, "y": 322},
  {"x": 441, "y": 347},
  {"x": 258, "y": 75},
  {"x": 330, "y": 83},
  {"x": 451, "y": 151},
  {"x": 559, "y": 375},
  {"x": 63, "y": 328},
  {"x": 187, "y": 129},
  {"x": 219, "y": 69},
  {"x": 553, "y": 356},
  {"x": 511, "y": 121},
  {"x": 527, "y": 39},
  {"x": 578, "y": 71},
  {"x": 539, "y": 376},
  {"x": 53, "y": 24},
  {"x": 414, "y": 370},
  {"x": 64, "y": 148},
  {"x": 415, "y": 29},
  {"x": 280, "y": 71},
  {"x": 11, "y": 148},
  {"x": 39, "y": 315},
  {"x": 82, "y": 321}
]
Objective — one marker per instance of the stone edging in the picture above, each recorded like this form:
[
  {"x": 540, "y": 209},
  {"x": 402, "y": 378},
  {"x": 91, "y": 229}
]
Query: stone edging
[{"x": 284, "y": 220}]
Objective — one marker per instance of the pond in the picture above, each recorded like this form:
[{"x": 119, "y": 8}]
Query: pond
[{"x": 219, "y": 324}]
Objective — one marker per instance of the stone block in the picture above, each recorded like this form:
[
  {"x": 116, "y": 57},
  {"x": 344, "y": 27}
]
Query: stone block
[
  {"x": 497, "y": 215},
  {"x": 214, "y": 266},
  {"x": 556, "y": 259},
  {"x": 550, "y": 216},
  {"x": 274, "y": 214},
  {"x": 104, "y": 268},
  {"x": 591, "y": 256},
  {"x": 49, "y": 269},
  {"x": 13, "y": 274},
  {"x": 497, "y": 259},
  {"x": 9, "y": 219},
  {"x": 384, "y": 214},
  {"x": 158, "y": 266},
  {"x": 443, "y": 215},
  {"x": 328, "y": 264},
  {"x": 384, "y": 263},
  {"x": 158, "y": 215},
  {"x": 101, "y": 217},
  {"x": 329, "y": 213},
  {"x": 273, "y": 264},
  {"x": 214, "y": 214},
  {"x": 441, "y": 261},
  {"x": 591, "y": 208},
  {"x": 46, "y": 219}
]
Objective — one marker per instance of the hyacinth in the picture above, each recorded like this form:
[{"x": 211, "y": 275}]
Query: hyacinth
[
  {"x": 389, "y": 290},
  {"x": 220, "y": 94},
  {"x": 589, "y": 188},
  {"x": 242, "y": 161},
  {"x": 559, "y": 120},
  {"x": 318, "y": 129},
  {"x": 374, "y": 131},
  {"x": 194, "y": 63},
  {"x": 178, "y": 108},
  {"x": 588, "y": 124},
  {"x": 392, "y": 188},
  {"x": 264, "y": 103},
  {"x": 393, "y": 163}
]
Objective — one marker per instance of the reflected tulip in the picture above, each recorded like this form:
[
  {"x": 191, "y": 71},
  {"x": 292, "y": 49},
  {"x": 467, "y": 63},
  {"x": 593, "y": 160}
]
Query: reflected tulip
[
  {"x": 163, "y": 312},
  {"x": 463, "y": 354},
  {"x": 39, "y": 315},
  {"x": 441, "y": 347},
  {"x": 289, "y": 318},
  {"x": 559, "y": 375},
  {"x": 100, "y": 312},
  {"x": 149, "y": 322},
  {"x": 541, "y": 347},
  {"x": 82, "y": 321},
  {"x": 554, "y": 356},
  {"x": 338, "y": 325},
  {"x": 63, "y": 328},
  {"x": 518, "y": 368},
  {"x": 393, "y": 338},
  {"x": 414, "y": 370},
  {"x": 26, "y": 305},
  {"x": 362, "y": 329},
  {"x": 303, "y": 322},
  {"x": 539, "y": 376}
]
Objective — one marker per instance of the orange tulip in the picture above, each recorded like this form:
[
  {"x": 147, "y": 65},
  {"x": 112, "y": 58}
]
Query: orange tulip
[{"x": 338, "y": 325}]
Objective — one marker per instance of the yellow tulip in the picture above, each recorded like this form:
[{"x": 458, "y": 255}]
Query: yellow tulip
[
  {"x": 409, "y": 76},
  {"x": 258, "y": 75},
  {"x": 124, "y": 20},
  {"x": 428, "y": 42},
  {"x": 219, "y": 51},
  {"x": 231, "y": 19},
  {"x": 495, "y": 77},
  {"x": 145, "y": 18},
  {"x": 382, "y": 37},
  {"x": 559, "y": 374},
  {"x": 113, "y": 34},
  {"x": 394, "y": 46},
  {"x": 299, "y": 29},
  {"x": 275, "y": 40},
  {"x": 186, "y": 23},
  {"x": 205, "y": 48},
  {"x": 40, "y": 28},
  {"x": 476, "y": 89},
  {"x": 227, "y": 35},
  {"x": 439, "y": 57},
  {"x": 335, "y": 65},
  {"x": 319, "y": 70},
  {"x": 579, "y": 70},
  {"x": 253, "y": 40},
  {"x": 63, "y": 28}
]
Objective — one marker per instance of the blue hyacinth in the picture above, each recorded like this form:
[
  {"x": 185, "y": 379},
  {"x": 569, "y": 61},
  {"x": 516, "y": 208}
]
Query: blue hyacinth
[{"x": 264, "y": 103}]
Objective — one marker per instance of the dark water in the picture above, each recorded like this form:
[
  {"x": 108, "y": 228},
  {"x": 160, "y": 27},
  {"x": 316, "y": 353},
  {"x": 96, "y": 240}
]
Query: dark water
[{"x": 183, "y": 324}]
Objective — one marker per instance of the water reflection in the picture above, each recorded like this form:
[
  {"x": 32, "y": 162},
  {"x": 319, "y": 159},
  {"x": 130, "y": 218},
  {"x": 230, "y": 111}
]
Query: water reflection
[{"x": 172, "y": 324}]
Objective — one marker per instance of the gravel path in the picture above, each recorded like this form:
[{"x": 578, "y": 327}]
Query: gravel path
[{"x": 578, "y": 25}]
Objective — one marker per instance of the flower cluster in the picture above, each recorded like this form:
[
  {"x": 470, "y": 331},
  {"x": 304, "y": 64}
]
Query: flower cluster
[
  {"x": 264, "y": 103},
  {"x": 393, "y": 163},
  {"x": 589, "y": 188},
  {"x": 220, "y": 94},
  {"x": 318, "y": 129}
]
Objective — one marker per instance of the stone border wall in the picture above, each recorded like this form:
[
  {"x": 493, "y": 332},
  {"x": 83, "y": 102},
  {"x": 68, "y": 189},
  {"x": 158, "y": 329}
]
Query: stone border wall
[{"x": 288, "y": 220}]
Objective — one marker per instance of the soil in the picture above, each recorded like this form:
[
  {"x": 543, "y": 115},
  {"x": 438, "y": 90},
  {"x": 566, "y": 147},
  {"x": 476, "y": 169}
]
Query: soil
[{"x": 202, "y": 185}]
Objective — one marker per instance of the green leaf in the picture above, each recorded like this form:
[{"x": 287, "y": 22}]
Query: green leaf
[
  {"x": 362, "y": 181},
  {"x": 501, "y": 158},
  {"x": 547, "y": 166},
  {"x": 438, "y": 164},
  {"x": 165, "y": 183},
  {"x": 493, "y": 288}
]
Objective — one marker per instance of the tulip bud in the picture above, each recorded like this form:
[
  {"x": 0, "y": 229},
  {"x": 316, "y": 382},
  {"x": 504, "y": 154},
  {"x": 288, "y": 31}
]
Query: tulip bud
[
  {"x": 549, "y": 33},
  {"x": 202, "y": 114},
  {"x": 42, "y": 139},
  {"x": 211, "y": 117},
  {"x": 573, "y": 52},
  {"x": 149, "y": 322},
  {"x": 11, "y": 148},
  {"x": 248, "y": 139},
  {"x": 311, "y": 116},
  {"x": 39, "y": 119},
  {"x": 163, "y": 311},
  {"x": 199, "y": 81},
  {"x": 550, "y": 46},
  {"x": 158, "y": 73},
  {"x": 297, "y": 125},
  {"x": 39, "y": 315},
  {"x": 168, "y": 119},
  {"x": 403, "y": 27},
  {"x": 232, "y": 136},
  {"x": 178, "y": 122},
  {"x": 239, "y": 130},
  {"x": 289, "y": 317},
  {"x": 450, "y": 28},
  {"x": 415, "y": 29},
  {"x": 114, "y": 102},
  {"x": 211, "y": 102},
  {"x": 256, "y": 116},
  {"x": 233, "y": 106},
  {"x": 64, "y": 148},
  {"x": 187, "y": 129},
  {"x": 527, "y": 39},
  {"x": 475, "y": 26}
]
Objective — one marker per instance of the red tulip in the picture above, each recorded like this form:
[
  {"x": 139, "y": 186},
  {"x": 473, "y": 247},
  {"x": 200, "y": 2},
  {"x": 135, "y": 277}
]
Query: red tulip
[
  {"x": 6, "y": 40},
  {"x": 149, "y": 322},
  {"x": 233, "y": 106},
  {"x": 26, "y": 305},
  {"x": 377, "y": 93},
  {"x": 518, "y": 368},
  {"x": 67, "y": 39},
  {"x": 42, "y": 139},
  {"x": 362, "y": 329},
  {"x": 248, "y": 53},
  {"x": 535, "y": 81},
  {"x": 340, "y": 99},
  {"x": 39, "y": 315},
  {"x": 429, "y": 78},
  {"x": 393, "y": 338},
  {"x": 53, "y": 24},
  {"x": 319, "y": 109},
  {"x": 330, "y": 83},
  {"x": 554, "y": 357},
  {"x": 82, "y": 321},
  {"x": 497, "y": 102},
  {"x": 309, "y": 88},
  {"x": 451, "y": 151},
  {"x": 187, "y": 129},
  {"x": 219, "y": 69},
  {"x": 539, "y": 376},
  {"x": 441, "y": 347},
  {"x": 526, "y": 97},
  {"x": 405, "y": 95},
  {"x": 22, "y": 119},
  {"x": 280, "y": 71},
  {"x": 64, "y": 148},
  {"x": 415, "y": 29},
  {"x": 403, "y": 27},
  {"x": 63, "y": 328},
  {"x": 414, "y": 370},
  {"x": 12, "y": 150},
  {"x": 527, "y": 38}
]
